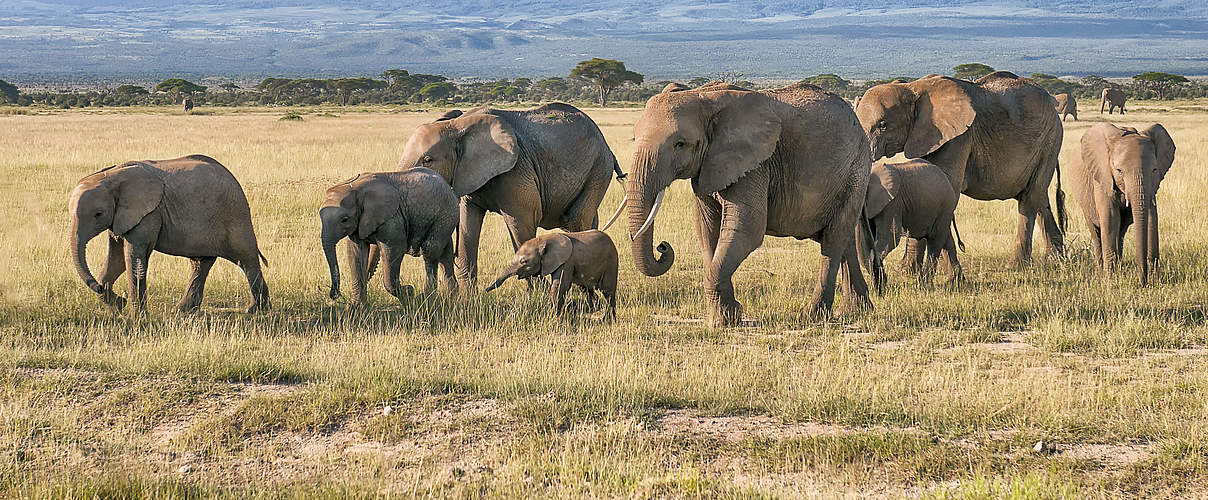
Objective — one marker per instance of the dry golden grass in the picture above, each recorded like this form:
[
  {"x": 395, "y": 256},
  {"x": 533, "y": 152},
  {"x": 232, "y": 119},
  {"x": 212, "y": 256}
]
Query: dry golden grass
[{"x": 937, "y": 392}]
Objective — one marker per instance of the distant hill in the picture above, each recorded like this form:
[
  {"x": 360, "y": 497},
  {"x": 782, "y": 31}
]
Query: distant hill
[{"x": 668, "y": 39}]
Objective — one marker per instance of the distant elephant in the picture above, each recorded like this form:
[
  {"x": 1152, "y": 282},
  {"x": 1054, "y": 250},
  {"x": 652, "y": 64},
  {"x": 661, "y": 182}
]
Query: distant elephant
[
  {"x": 781, "y": 162},
  {"x": 189, "y": 207},
  {"x": 188, "y": 103},
  {"x": 545, "y": 167},
  {"x": 912, "y": 199},
  {"x": 1111, "y": 99},
  {"x": 586, "y": 258},
  {"x": 1066, "y": 106},
  {"x": 412, "y": 212},
  {"x": 1116, "y": 178},
  {"x": 996, "y": 139}
]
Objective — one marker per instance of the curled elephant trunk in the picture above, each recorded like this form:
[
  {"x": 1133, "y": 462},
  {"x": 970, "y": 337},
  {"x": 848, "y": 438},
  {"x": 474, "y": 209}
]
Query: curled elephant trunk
[
  {"x": 333, "y": 264},
  {"x": 511, "y": 270},
  {"x": 641, "y": 224},
  {"x": 79, "y": 245}
]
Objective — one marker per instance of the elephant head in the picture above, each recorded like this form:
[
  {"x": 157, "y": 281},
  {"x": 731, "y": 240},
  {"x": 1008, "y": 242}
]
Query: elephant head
[
  {"x": 711, "y": 137},
  {"x": 467, "y": 149},
  {"x": 915, "y": 118},
  {"x": 537, "y": 257},
  {"x": 1136, "y": 161},
  {"x": 115, "y": 199},
  {"x": 355, "y": 209}
]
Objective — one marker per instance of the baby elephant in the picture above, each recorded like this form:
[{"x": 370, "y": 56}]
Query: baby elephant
[
  {"x": 1116, "y": 178},
  {"x": 915, "y": 199},
  {"x": 412, "y": 212},
  {"x": 586, "y": 258},
  {"x": 190, "y": 207}
]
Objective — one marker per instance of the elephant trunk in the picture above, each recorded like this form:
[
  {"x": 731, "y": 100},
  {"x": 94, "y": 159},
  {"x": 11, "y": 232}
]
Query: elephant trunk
[
  {"x": 645, "y": 198},
  {"x": 79, "y": 245},
  {"x": 511, "y": 270},
  {"x": 1140, "y": 213},
  {"x": 1153, "y": 234},
  {"x": 333, "y": 264}
]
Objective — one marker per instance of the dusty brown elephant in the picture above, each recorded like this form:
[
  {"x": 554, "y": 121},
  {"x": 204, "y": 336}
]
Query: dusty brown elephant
[
  {"x": 1066, "y": 106},
  {"x": 996, "y": 139},
  {"x": 585, "y": 258},
  {"x": 781, "y": 162},
  {"x": 546, "y": 167},
  {"x": 412, "y": 212},
  {"x": 189, "y": 207},
  {"x": 1112, "y": 98},
  {"x": 1116, "y": 178}
]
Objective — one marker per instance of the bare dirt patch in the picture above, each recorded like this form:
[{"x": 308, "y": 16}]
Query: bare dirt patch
[
  {"x": 224, "y": 402},
  {"x": 1111, "y": 454},
  {"x": 740, "y": 427}
]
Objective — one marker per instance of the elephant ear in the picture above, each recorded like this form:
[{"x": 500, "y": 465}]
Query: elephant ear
[
  {"x": 449, "y": 115},
  {"x": 942, "y": 111},
  {"x": 488, "y": 148},
  {"x": 555, "y": 251},
  {"x": 139, "y": 191},
  {"x": 1163, "y": 146},
  {"x": 379, "y": 201},
  {"x": 745, "y": 131},
  {"x": 881, "y": 191}
]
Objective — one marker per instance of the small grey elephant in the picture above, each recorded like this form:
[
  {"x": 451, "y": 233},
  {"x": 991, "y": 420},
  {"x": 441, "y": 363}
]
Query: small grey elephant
[
  {"x": 587, "y": 259},
  {"x": 412, "y": 212},
  {"x": 1116, "y": 178},
  {"x": 1112, "y": 98},
  {"x": 1066, "y": 105},
  {"x": 914, "y": 199},
  {"x": 190, "y": 207}
]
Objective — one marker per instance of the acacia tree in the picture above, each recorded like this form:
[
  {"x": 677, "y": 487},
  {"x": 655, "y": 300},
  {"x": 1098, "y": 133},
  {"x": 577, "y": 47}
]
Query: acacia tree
[
  {"x": 8, "y": 92},
  {"x": 829, "y": 81},
  {"x": 606, "y": 74},
  {"x": 178, "y": 85},
  {"x": 971, "y": 71},
  {"x": 1160, "y": 83}
]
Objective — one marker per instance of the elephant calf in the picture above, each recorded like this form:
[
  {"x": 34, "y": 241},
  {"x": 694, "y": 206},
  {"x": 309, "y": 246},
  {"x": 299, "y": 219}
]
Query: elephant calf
[
  {"x": 587, "y": 259},
  {"x": 1116, "y": 177},
  {"x": 191, "y": 207},
  {"x": 412, "y": 212},
  {"x": 915, "y": 199}
]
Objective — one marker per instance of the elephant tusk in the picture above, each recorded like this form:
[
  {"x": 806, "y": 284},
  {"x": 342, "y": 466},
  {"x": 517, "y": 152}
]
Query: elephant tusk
[
  {"x": 617, "y": 214},
  {"x": 654, "y": 210}
]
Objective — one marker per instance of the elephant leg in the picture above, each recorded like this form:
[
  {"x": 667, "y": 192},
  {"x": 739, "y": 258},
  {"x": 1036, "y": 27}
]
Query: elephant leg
[
  {"x": 468, "y": 232},
  {"x": 1110, "y": 237},
  {"x": 935, "y": 245},
  {"x": 954, "y": 264},
  {"x": 256, "y": 283},
  {"x": 583, "y": 212},
  {"x": 432, "y": 274},
  {"x": 394, "y": 263},
  {"x": 1026, "y": 223},
  {"x": 855, "y": 288},
  {"x": 744, "y": 220},
  {"x": 375, "y": 254},
  {"x": 561, "y": 284},
  {"x": 1096, "y": 243},
  {"x": 1038, "y": 194},
  {"x": 912, "y": 259},
  {"x": 358, "y": 263},
  {"x": 446, "y": 270},
  {"x": 609, "y": 288},
  {"x": 191, "y": 301},
  {"x": 708, "y": 225},
  {"x": 115, "y": 265},
  {"x": 521, "y": 230},
  {"x": 138, "y": 258}
]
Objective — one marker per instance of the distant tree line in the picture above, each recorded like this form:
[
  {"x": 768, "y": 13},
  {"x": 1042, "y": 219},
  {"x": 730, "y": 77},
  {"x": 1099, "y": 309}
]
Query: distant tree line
[{"x": 595, "y": 81}]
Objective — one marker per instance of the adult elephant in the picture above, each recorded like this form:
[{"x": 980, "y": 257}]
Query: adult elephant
[
  {"x": 996, "y": 139},
  {"x": 1111, "y": 98},
  {"x": 782, "y": 162},
  {"x": 546, "y": 167},
  {"x": 1066, "y": 105}
]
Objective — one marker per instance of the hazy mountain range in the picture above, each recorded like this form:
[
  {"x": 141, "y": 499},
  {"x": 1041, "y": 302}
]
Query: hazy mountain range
[{"x": 668, "y": 39}]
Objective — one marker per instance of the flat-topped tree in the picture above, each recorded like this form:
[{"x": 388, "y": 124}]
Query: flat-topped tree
[
  {"x": 828, "y": 81},
  {"x": 8, "y": 92},
  {"x": 1160, "y": 83},
  {"x": 971, "y": 71},
  {"x": 179, "y": 85},
  {"x": 606, "y": 74}
]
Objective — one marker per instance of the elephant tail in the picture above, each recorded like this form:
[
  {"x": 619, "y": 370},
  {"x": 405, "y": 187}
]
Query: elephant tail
[
  {"x": 959, "y": 244},
  {"x": 1061, "y": 215},
  {"x": 616, "y": 167},
  {"x": 262, "y": 257}
]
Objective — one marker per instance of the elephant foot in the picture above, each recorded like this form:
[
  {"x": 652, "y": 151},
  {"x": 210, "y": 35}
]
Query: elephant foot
[
  {"x": 725, "y": 314},
  {"x": 856, "y": 304},
  {"x": 818, "y": 310},
  {"x": 115, "y": 302},
  {"x": 187, "y": 308}
]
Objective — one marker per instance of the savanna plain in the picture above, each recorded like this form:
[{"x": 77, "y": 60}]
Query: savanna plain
[{"x": 940, "y": 392}]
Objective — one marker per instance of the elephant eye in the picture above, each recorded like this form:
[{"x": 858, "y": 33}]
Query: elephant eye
[
  {"x": 344, "y": 219},
  {"x": 679, "y": 144},
  {"x": 98, "y": 214},
  {"x": 427, "y": 159},
  {"x": 881, "y": 125}
]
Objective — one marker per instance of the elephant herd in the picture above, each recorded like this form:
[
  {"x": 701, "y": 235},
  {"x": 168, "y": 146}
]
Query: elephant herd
[{"x": 794, "y": 161}]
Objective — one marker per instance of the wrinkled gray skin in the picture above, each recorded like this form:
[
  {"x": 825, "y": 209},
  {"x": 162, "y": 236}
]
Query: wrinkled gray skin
[
  {"x": 780, "y": 162},
  {"x": 911, "y": 199},
  {"x": 412, "y": 212},
  {"x": 1112, "y": 98},
  {"x": 1066, "y": 105},
  {"x": 546, "y": 167},
  {"x": 1116, "y": 176},
  {"x": 189, "y": 207},
  {"x": 586, "y": 258},
  {"x": 996, "y": 139}
]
